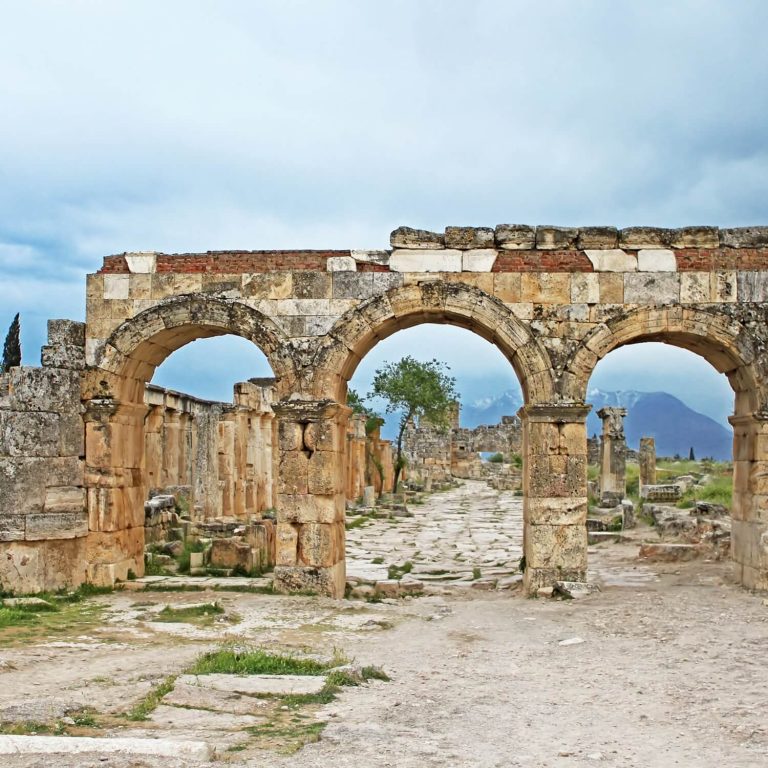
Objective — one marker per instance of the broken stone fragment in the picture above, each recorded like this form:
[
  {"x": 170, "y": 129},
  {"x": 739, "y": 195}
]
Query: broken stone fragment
[
  {"x": 556, "y": 238},
  {"x": 645, "y": 237},
  {"x": 598, "y": 237},
  {"x": 406, "y": 237},
  {"x": 744, "y": 237},
  {"x": 575, "y": 589}
]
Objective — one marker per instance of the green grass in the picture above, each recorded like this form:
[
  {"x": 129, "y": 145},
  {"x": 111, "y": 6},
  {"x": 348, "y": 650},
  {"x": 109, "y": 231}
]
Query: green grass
[
  {"x": 189, "y": 548},
  {"x": 398, "y": 571},
  {"x": 358, "y": 522},
  {"x": 234, "y": 661},
  {"x": 142, "y": 710},
  {"x": 719, "y": 491},
  {"x": 476, "y": 573},
  {"x": 377, "y": 560},
  {"x": 195, "y": 614}
]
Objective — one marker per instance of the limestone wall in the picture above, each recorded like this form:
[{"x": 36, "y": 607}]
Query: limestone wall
[
  {"x": 368, "y": 459},
  {"x": 43, "y": 514},
  {"x": 224, "y": 453}
]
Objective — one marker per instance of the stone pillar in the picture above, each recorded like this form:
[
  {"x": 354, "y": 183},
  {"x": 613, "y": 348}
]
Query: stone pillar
[
  {"x": 310, "y": 496},
  {"x": 749, "y": 508},
  {"x": 647, "y": 461},
  {"x": 116, "y": 486},
  {"x": 555, "y": 494},
  {"x": 613, "y": 456}
]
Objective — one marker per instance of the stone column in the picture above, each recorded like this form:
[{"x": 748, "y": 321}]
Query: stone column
[
  {"x": 647, "y": 461},
  {"x": 555, "y": 493},
  {"x": 749, "y": 508},
  {"x": 310, "y": 496},
  {"x": 613, "y": 457}
]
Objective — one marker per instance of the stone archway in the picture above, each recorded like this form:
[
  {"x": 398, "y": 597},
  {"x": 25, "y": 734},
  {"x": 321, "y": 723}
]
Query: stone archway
[
  {"x": 311, "y": 542},
  {"x": 114, "y": 412},
  {"x": 727, "y": 344}
]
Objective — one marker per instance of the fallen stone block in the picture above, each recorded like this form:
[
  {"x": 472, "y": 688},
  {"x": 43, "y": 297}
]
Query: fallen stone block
[
  {"x": 388, "y": 588},
  {"x": 27, "y": 602},
  {"x": 598, "y": 537},
  {"x": 670, "y": 553},
  {"x": 575, "y": 589},
  {"x": 258, "y": 685},
  {"x": 231, "y": 553}
]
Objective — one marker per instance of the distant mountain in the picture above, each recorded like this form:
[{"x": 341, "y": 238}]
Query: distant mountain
[{"x": 674, "y": 425}]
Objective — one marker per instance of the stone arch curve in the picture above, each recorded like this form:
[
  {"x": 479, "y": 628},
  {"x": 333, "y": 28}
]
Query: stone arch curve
[
  {"x": 141, "y": 343},
  {"x": 719, "y": 338},
  {"x": 458, "y": 304}
]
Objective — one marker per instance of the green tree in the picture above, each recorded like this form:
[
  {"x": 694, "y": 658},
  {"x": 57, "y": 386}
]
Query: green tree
[
  {"x": 12, "y": 348},
  {"x": 691, "y": 455},
  {"x": 418, "y": 391}
]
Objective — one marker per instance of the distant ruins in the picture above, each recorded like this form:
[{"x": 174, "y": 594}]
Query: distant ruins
[{"x": 82, "y": 439}]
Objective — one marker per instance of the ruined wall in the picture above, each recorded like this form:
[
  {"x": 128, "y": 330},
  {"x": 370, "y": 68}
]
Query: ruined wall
[
  {"x": 225, "y": 454},
  {"x": 43, "y": 516},
  {"x": 368, "y": 459}
]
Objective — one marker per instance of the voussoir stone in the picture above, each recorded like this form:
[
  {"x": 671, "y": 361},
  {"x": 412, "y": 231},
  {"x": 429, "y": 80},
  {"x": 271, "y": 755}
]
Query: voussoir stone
[{"x": 406, "y": 237}]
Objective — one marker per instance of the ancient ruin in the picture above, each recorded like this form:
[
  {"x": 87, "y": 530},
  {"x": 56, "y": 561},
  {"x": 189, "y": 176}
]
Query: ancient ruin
[{"x": 81, "y": 438}]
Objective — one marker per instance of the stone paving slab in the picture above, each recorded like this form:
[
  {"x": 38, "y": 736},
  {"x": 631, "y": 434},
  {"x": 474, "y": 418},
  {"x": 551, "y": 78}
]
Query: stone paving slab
[
  {"x": 185, "y": 695},
  {"x": 258, "y": 685},
  {"x": 80, "y": 745},
  {"x": 197, "y": 720}
]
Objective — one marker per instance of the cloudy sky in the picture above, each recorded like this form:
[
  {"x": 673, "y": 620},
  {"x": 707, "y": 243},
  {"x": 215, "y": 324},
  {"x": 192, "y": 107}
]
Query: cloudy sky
[{"x": 194, "y": 125}]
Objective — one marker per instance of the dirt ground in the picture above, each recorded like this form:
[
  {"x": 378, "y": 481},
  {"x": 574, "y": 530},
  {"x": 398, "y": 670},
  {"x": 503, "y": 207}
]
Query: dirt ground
[{"x": 667, "y": 666}]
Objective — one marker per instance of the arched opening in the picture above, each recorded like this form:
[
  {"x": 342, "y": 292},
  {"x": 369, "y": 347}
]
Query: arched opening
[
  {"x": 212, "y": 459},
  {"x": 458, "y": 516},
  {"x": 725, "y": 346}
]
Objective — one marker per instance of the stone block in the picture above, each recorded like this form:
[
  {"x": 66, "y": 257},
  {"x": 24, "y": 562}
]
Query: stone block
[
  {"x": 293, "y": 472},
  {"x": 695, "y": 287},
  {"x": 286, "y": 544},
  {"x": 324, "y": 473},
  {"x": 612, "y": 260},
  {"x": 752, "y": 286},
  {"x": 12, "y": 526},
  {"x": 66, "y": 498},
  {"x": 695, "y": 237},
  {"x": 417, "y": 239},
  {"x": 662, "y": 552},
  {"x": 141, "y": 262},
  {"x": 341, "y": 264},
  {"x": 267, "y": 285},
  {"x": 506, "y": 286},
  {"x": 352, "y": 285},
  {"x": 652, "y": 288},
  {"x": 43, "y": 389},
  {"x": 466, "y": 238},
  {"x": 311, "y": 285},
  {"x": 656, "y": 260},
  {"x": 478, "y": 260},
  {"x": 556, "y": 511},
  {"x": 421, "y": 261},
  {"x": 116, "y": 286},
  {"x": 56, "y": 525},
  {"x": 611, "y": 288},
  {"x": 744, "y": 237},
  {"x": 515, "y": 237},
  {"x": 724, "y": 286},
  {"x": 322, "y": 581},
  {"x": 62, "y": 356},
  {"x": 635, "y": 238},
  {"x": 309, "y": 508},
  {"x": 323, "y": 435},
  {"x": 42, "y": 566},
  {"x": 66, "y": 333},
  {"x": 29, "y": 433},
  {"x": 557, "y": 476},
  {"x": 384, "y": 281},
  {"x": 545, "y": 287},
  {"x": 372, "y": 257},
  {"x": 597, "y": 237},
  {"x": 556, "y": 238},
  {"x": 231, "y": 553},
  {"x": 321, "y": 544},
  {"x": 585, "y": 288},
  {"x": 557, "y": 546}
]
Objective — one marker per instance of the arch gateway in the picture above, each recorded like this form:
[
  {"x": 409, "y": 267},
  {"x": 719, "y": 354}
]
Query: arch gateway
[{"x": 554, "y": 300}]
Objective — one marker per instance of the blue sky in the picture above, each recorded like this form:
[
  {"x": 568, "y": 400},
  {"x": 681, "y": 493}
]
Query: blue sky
[{"x": 189, "y": 125}]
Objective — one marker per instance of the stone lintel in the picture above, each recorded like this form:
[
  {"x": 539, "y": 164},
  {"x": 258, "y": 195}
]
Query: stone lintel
[{"x": 555, "y": 413}]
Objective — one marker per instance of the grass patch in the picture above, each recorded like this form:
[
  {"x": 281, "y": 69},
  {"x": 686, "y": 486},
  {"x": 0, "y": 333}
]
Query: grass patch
[
  {"x": 234, "y": 661},
  {"x": 358, "y": 522},
  {"x": 184, "y": 557},
  {"x": 398, "y": 571},
  {"x": 149, "y": 703},
  {"x": 377, "y": 560},
  {"x": 291, "y": 736},
  {"x": 476, "y": 573}
]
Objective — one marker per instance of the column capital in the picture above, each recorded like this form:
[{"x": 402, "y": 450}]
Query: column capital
[
  {"x": 309, "y": 410},
  {"x": 741, "y": 419},
  {"x": 555, "y": 413}
]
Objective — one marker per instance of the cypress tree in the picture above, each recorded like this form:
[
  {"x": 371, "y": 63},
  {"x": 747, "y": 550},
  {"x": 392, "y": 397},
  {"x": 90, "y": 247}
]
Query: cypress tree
[{"x": 12, "y": 348}]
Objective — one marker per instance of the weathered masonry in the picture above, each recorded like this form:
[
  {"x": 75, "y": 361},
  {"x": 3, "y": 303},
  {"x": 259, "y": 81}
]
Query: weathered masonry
[{"x": 555, "y": 301}]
